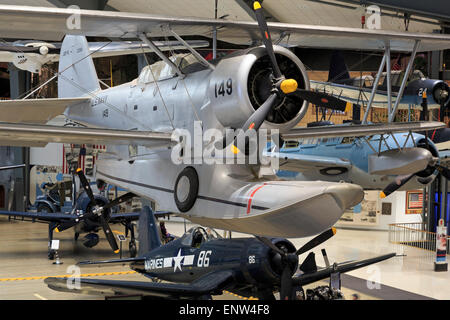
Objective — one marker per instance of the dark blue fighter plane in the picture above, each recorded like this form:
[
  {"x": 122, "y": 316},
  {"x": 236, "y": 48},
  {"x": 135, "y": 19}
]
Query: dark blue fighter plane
[
  {"x": 201, "y": 264},
  {"x": 90, "y": 213}
]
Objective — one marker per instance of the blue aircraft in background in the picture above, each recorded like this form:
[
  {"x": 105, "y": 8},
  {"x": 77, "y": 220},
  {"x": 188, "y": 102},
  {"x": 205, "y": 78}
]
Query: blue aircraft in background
[
  {"x": 396, "y": 161},
  {"x": 358, "y": 89}
]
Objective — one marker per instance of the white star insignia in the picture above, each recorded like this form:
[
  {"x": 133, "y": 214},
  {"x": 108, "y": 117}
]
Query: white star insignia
[{"x": 177, "y": 261}]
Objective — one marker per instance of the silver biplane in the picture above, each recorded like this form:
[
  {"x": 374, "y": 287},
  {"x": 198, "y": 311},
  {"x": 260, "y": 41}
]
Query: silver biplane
[{"x": 263, "y": 87}]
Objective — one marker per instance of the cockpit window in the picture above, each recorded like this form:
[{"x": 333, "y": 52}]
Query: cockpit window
[
  {"x": 195, "y": 236},
  {"x": 160, "y": 70},
  {"x": 416, "y": 75}
]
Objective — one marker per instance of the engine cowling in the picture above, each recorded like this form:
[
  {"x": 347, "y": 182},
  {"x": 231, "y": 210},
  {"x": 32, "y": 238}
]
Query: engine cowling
[
  {"x": 440, "y": 92},
  {"x": 430, "y": 169},
  {"x": 241, "y": 83}
]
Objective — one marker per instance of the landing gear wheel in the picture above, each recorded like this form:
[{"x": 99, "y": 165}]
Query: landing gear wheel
[
  {"x": 186, "y": 189},
  {"x": 132, "y": 249},
  {"x": 42, "y": 207}
]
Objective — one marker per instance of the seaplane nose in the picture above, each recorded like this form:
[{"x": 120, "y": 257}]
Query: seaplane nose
[{"x": 346, "y": 194}]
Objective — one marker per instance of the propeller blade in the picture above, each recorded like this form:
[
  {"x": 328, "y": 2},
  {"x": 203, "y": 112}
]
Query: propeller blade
[
  {"x": 109, "y": 234},
  {"x": 397, "y": 184},
  {"x": 65, "y": 225},
  {"x": 257, "y": 117},
  {"x": 444, "y": 171},
  {"x": 85, "y": 184},
  {"x": 269, "y": 243},
  {"x": 324, "y": 100},
  {"x": 286, "y": 283},
  {"x": 254, "y": 122},
  {"x": 324, "y": 236},
  {"x": 267, "y": 40},
  {"x": 119, "y": 200}
]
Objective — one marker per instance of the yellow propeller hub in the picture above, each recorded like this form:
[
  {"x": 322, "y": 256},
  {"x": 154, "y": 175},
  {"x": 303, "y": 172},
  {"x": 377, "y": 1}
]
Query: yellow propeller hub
[
  {"x": 288, "y": 86},
  {"x": 234, "y": 149},
  {"x": 256, "y": 5}
]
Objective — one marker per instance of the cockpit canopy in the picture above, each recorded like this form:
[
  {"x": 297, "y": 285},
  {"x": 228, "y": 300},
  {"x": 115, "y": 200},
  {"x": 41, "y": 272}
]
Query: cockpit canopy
[
  {"x": 161, "y": 70},
  {"x": 195, "y": 236}
]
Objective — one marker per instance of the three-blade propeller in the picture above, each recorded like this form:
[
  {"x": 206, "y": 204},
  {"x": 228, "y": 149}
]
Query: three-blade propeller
[
  {"x": 281, "y": 87},
  {"x": 101, "y": 211},
  {"x": 289, "y": 261}
]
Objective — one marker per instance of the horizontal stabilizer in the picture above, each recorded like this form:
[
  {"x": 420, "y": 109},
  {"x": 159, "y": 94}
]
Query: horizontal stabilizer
[{"x": 38, "y": 111}]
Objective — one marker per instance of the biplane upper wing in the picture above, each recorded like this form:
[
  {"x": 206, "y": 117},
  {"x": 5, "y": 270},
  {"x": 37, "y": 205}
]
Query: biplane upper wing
[
  {"x": 9, "y": 50},
  {"x": 53, "y": 23}
]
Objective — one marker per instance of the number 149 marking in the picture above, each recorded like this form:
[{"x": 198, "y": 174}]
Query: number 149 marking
[{"x": 222, "y": 87}]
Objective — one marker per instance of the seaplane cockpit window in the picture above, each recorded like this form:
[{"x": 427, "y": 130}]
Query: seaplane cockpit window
[{"x": 160, "y": 70}]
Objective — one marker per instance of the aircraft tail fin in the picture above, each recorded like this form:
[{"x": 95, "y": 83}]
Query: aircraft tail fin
[
  {"x": 149, "y": 238},
  {"x": 338, "y": 69},
  {"x": 77, "y": 76}
]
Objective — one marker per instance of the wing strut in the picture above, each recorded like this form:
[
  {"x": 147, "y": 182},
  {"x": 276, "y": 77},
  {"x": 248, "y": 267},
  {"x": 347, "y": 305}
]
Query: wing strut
[
  {"x": 151, "y": 45},
  {"x": 198, "y": 56},
  {"x": 386, "y": 62},
  {"x": 405, "y": 79}
]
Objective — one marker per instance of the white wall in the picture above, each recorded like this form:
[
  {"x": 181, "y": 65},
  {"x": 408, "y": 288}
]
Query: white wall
[
  {"x": 50, "y": 155},
  {"x": 398, "y": 214}
]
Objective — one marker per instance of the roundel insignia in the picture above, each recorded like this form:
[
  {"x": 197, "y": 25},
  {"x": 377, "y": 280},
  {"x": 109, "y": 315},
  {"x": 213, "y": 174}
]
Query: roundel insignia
[{"x": 186, "y": 189}]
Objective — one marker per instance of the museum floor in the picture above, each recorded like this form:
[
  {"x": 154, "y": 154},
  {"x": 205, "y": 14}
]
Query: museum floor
[{"x": 24, "y": 264}]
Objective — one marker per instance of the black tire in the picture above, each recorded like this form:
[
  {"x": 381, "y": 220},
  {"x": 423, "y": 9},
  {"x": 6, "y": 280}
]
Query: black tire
[
  {"x": 43, "y": 207},
  {"x": 186, "y": 189},
  {"x": 51, "y": 254}
]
